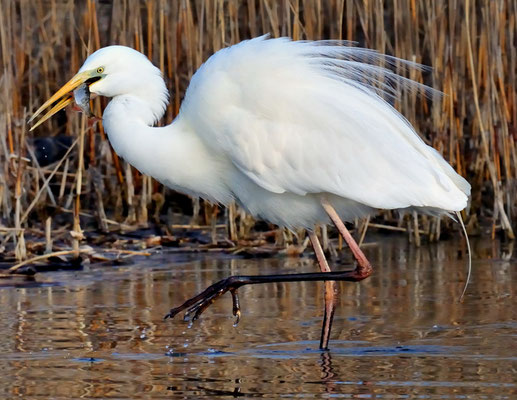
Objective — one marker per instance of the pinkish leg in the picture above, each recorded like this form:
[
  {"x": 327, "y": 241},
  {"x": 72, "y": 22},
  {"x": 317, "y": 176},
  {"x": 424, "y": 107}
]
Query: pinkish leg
[
  {"x": 364, "y": 268},
  {"x": 197, "y": 304},
  {"x": 330, "y": 292}
]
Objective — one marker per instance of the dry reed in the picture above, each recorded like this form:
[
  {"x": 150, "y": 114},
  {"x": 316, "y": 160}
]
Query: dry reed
[{"x": 471, "y": 46}]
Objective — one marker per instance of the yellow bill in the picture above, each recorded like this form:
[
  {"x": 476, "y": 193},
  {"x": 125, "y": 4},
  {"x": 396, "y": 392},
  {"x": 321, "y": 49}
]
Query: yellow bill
[
  {"x": 65, "y": 101},
  {"x": 63, "y": 96}
]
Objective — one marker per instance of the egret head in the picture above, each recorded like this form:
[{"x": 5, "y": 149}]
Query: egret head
[{"x": 113, "y": 71}]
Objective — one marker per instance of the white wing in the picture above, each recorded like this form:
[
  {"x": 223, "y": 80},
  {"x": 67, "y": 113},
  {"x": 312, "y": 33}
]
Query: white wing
[{"x": 306, "y": 117}]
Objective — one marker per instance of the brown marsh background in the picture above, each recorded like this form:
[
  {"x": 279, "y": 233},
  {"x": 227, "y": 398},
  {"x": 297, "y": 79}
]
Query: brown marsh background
[
  {"x": 81, "y": 188},
  {"x": 100, "y": 333}
]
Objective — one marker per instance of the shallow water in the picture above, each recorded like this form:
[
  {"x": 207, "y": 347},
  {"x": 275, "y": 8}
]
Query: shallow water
[{"x": 99, "y": 333}]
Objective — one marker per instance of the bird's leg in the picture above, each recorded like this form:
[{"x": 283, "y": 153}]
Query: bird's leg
[
  {"x": 364, "y": 267},
  {"x": 330, "y": 292},
  {"x": 197, "y": 304}
]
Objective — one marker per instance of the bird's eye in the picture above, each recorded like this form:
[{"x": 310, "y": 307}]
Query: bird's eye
[{"x": 100, "y": 70}]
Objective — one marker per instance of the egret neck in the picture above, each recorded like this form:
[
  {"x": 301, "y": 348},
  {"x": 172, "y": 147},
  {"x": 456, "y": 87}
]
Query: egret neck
[{"x": 173, "y": 154}]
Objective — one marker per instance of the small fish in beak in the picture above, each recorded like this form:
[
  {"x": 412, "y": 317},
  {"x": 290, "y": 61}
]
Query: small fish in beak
[
  {"x": 82, "y": 99},
  {"x": 75, "y": 89}
]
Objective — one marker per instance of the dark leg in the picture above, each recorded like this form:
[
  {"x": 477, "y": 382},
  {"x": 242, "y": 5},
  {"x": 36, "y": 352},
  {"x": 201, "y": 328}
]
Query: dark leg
[
  {"x": 196, "y": 305},
  {"x": 330, "y": 292},
  {"x": 202, "y": 301}
]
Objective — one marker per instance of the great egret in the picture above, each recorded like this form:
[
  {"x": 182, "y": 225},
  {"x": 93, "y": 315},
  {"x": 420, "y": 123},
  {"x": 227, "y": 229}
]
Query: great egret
[{"x": 297, "y": 132}]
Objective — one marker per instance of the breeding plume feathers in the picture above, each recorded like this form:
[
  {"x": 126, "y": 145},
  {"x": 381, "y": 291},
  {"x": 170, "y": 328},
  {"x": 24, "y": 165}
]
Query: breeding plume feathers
[{"x": 307, "y": 118}]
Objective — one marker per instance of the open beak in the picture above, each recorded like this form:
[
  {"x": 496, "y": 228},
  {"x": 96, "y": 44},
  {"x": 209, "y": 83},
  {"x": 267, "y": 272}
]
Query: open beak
[{"x": 63, "y": 96}]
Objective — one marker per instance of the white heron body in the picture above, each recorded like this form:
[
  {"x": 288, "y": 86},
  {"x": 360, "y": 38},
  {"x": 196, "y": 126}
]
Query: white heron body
[{"x": 277, "y": 125}]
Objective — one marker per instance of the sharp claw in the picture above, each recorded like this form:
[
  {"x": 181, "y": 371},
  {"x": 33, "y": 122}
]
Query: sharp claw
[
  {"x": 171, "y": 314},
  {"x": 199, "y": 310},
  {"x": 196, "y": 316},
  {"x": 236, "y": 306},
  {"x": 237, "y": 317},
  {"x": 197, "y": 305}
]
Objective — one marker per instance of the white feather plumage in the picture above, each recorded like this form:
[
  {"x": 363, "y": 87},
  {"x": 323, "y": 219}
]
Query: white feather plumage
[{"x": 276, "y": 124}]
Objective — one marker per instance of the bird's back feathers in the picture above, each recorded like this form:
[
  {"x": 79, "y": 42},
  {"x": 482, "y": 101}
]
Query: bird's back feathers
[{"x": 307, "y": 117}]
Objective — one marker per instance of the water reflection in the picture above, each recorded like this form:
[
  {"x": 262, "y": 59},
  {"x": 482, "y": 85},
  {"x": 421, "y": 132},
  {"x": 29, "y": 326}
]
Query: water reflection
[{"x": 402, "y": 333}]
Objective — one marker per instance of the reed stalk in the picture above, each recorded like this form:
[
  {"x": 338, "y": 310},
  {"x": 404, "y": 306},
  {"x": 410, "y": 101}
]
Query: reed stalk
[{"x": 470, "y": 45}]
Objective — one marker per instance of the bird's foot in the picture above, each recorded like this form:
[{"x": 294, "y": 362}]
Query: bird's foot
[{"x": 197, "y": 305}]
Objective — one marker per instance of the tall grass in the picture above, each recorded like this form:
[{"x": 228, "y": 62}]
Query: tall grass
[{"x": 471, "y": 46}]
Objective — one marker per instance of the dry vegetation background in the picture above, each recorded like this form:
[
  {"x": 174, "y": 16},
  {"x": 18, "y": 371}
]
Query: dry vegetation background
[{"x": 471, "y": 46}]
